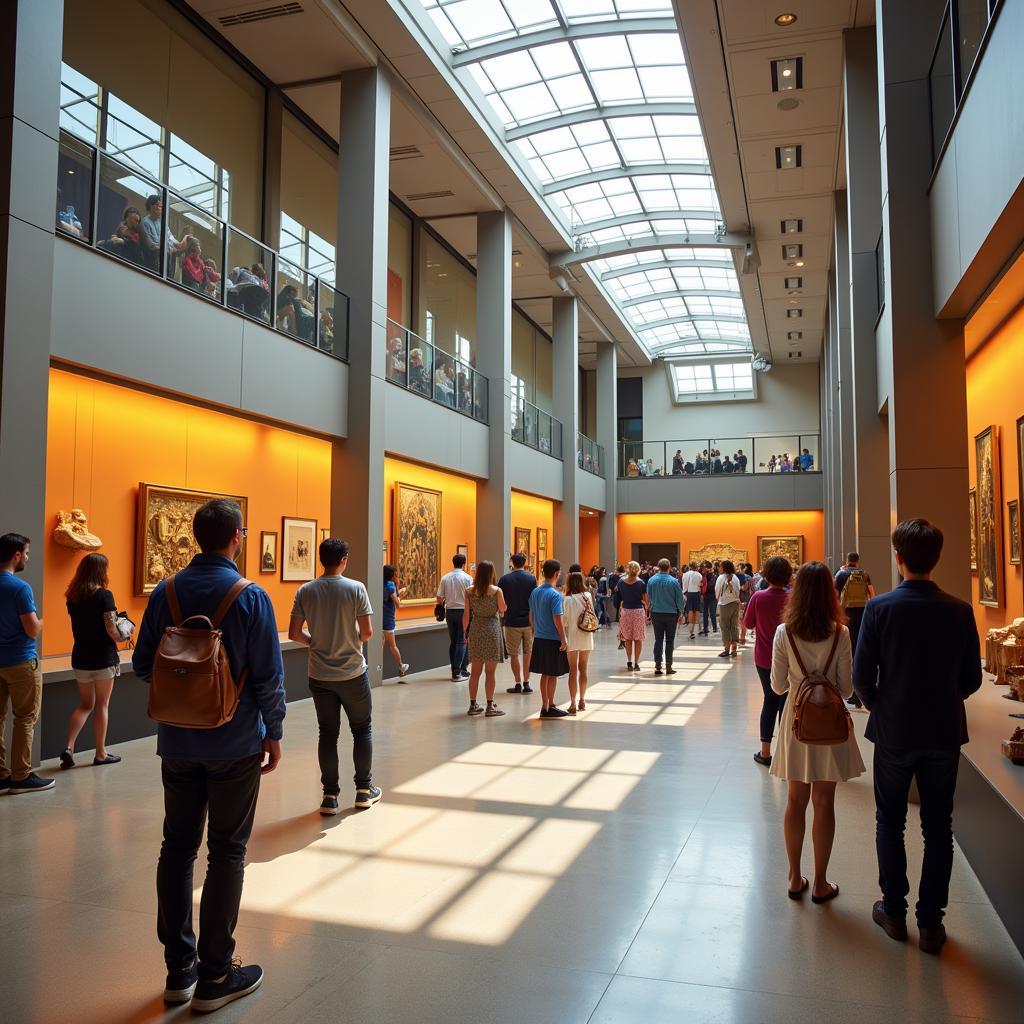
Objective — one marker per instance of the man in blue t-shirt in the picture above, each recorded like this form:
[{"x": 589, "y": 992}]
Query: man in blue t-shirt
[
  {"x": 21, "y": 679},
  {"x": 805, "y": 461},
  {"x": 548, "y": 658}
]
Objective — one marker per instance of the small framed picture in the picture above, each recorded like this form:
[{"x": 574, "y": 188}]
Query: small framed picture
[
  {"x": 1013, "y": 508},
  {"x": 298, "y": 547},
  {"x": 268, "y": 552},
  {"x": 462, "y": 549},
  {"x": 325, "y": 534}
]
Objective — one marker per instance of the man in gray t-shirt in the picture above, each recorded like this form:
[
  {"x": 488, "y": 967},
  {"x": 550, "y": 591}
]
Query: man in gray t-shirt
[{"x": 338, "y": 613}]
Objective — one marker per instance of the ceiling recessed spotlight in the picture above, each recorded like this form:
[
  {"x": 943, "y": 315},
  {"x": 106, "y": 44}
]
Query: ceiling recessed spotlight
[
  {"x": 787, "y": 74},
  {"x": 793, "y": 283},
  {"x": 792, "y": 251},
  {"x": 788, "y": 157},
  {"x": 785, "y": 20},
  {"x": 788, "y": 103},
  {"x": 792, "y": 227},
  {"x": 795, "y": 335},
  {"x": 798, "y": 263},
  {"x": 794, "y": 314}
]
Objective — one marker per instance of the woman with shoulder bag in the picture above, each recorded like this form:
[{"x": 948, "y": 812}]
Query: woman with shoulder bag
[
  {"x": 94, "y": 656},
  {"x": 812, "y": 650},
  {"x": 580, "y": 618}
]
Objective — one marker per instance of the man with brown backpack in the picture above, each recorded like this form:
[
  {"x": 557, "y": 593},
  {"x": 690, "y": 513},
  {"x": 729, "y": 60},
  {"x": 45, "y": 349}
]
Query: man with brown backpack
[
  {"x": 855, "y": 590},
  {"x": 215, "y": 636}
]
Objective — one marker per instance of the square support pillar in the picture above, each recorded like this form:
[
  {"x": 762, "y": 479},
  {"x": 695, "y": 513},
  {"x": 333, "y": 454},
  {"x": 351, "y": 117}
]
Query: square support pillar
[
  {"x": 607, "y": 438},
  {"x": 844, "y": 467},
  {"x": 494, "y": 361},
  {"x": 31, "y": 36},
  {"x": 357, "y": 463},
  {"x": 565, "y": 389}
]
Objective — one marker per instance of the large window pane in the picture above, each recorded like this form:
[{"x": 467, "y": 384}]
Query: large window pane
[
  {"x": 972, "y": 20},
  {"x": 776, "y": 454},
  {"x": 332, "y": 330},
  {"x": 125, "y": 226},
  {"x": 399, "y": 266},
  {"x": 940, "y": 81},
  {"x": 295, "y": 302},
  {"x": 195, "y": 243},
  {"x": 74, "y": 188},
  {"x": 248, "y": 280},
  {"x": 446, "y": 316}
]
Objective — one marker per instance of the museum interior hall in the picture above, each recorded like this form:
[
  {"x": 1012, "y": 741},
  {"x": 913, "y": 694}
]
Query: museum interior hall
[{"x": 601, "y": 422}]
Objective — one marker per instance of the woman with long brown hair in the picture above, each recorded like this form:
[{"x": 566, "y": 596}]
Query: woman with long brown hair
[
  {"x": 94, "y": 656},
  {"x": 481, "y": 621},
  {"x": 812, "y": 638},
  {"x": 578, "y": 642}
]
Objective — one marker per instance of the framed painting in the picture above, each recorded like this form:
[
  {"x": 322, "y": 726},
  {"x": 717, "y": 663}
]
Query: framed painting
[
  {"x": 790, "y": 548},
  {"x": 417, "y": 542},
  {"x": 462, "y": 549},
  {"x": 972, "y": 496},
  {"x": 990, "y": 518},
  {"x": 164, "y": 543},
  {"x": 298, "y": 549},
  {"x": 542, "y": 546},
  {"x": 522, "y": 542},
  {"x": 1013, "y": 517},
  {"x": 268, "y": 552},
  {"x": 1020, "y": 465},
  {"x": 325, "y": 534},
  {"x": 717, "y": 552}
]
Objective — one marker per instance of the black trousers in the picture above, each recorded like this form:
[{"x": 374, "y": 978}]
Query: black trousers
[
  {"x": 771, "y": 706},
  {"x": 935, "y": 771},
  {"x": 854, "y": 617},
  {"x": 225, "y": 792},
  {"x": 710, "y": 605},
  {"x": 458, "y": 649},
  {"x": 664, "y": 635},
  {"x": 329, "y": 698}
]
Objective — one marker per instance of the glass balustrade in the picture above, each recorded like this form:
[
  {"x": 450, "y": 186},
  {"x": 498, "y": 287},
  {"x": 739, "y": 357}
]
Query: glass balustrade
[
  {"x": 700, "y": 458},
  {"x": 113, "y": 207},
  {"x": 536, "y": 428},
  {"x": 589, "y": 455}
]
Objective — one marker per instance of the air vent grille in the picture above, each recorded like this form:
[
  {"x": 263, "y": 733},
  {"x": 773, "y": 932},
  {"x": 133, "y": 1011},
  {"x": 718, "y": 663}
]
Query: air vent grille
[
  {"x": 418, "y": 197},
  {"x": 260, "y": 14},
  {"x": 405, "y": 153}
]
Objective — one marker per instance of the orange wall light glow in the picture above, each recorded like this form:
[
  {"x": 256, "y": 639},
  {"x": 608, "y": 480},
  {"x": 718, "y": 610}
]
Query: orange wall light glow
[
  {"x": 529, "y": 512},
  {"x": 741, "y": 529},
  {"x": 104, "y": 439},
  {"x": 589, "y": 540}
]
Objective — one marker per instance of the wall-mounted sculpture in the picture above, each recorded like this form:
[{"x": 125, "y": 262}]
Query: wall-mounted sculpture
[{"x": 72, "y": 531}]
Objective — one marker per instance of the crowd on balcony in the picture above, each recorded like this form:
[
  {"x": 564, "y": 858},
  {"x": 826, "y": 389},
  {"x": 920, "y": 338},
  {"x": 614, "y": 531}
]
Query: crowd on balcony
[{"x": 711, "y": 462}]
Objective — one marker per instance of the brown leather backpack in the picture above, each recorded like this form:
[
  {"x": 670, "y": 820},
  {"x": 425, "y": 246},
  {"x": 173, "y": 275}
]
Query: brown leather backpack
[
  {"x": 191, "y": 685},
  {"x": 820, "y": 717}
]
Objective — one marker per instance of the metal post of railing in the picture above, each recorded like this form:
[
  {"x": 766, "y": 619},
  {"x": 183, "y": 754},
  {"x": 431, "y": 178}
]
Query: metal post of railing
[
  {"x": 94, "y": 225},
  {"x": 224, "y": 265},
  {"x": 316, "y": 313},
  {"x": 272, "y": 283},
  {"x": 162, "y": 263}
]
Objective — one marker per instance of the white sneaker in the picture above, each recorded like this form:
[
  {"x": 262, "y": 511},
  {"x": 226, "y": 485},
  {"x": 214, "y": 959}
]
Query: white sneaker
[{"x": 403, "y": 668}]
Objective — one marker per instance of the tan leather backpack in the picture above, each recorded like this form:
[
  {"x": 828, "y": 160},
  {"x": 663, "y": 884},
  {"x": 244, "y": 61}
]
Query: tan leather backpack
[
  {"x": 820, "y": 717},
  {"x": 191, "y": 685}
]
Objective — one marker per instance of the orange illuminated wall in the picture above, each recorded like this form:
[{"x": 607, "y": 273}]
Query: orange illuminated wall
[
  {"x": 994, "y": 396},
  {"x": 589, "y": 541},
  {"x": 103, "y": 440},
  {"x": 741, "y": 529},
  {"x": 529, "y": 512},
  {"x": 458, "y": 516}
]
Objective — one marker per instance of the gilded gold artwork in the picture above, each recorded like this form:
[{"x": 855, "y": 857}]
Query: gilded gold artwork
[
  {"x": 790, "y": 548},
  {"x": 164, "y": 541},
  {"x": 718, "y": 552},
  {"x": 417, "y": 543},
  {"x": 990, "y": 519},
  {"x": 72, "y": 531}
]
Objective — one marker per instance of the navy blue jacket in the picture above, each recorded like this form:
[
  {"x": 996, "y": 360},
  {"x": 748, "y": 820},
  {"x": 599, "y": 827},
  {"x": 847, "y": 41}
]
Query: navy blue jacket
[
  {"x": 918, "y": 659},
  {"x": 252, "y": 641}
]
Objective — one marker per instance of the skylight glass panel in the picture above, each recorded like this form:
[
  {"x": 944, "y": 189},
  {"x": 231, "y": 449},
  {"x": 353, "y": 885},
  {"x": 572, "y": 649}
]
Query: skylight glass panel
[
  {"x": 693, "y": 378},
  {"x": 733, "y": 377}
]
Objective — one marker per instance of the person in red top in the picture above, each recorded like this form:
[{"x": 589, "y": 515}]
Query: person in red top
[
  {"x": 193, "y": 269},
  {"x": 764, "y": 613}
]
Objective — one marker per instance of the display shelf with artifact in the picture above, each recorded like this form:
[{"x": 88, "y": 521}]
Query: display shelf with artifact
[
  {"x": 1015, "y": 680},
  {"x": 1004, "y": 648},
  {"x": 1013, "y": 748},
  {"x": 72, "y": 531}
]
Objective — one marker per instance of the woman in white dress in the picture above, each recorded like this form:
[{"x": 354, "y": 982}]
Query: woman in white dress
[
  {"x": 578, "y": 642},
  {"x": 810, "y": 623}
]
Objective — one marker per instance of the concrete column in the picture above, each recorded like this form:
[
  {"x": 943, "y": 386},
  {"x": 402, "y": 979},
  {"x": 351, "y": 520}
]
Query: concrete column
[
  {"x": 830, "y": 422},
  {"x": 31, "y": 35},
  {"x": 844, "y": 384},
  {"x": 357, "y": 464},
  {"x": 272, "y": 144},
  {"x": 565, "y": 386},
  {"x": 494, "y": 361},
  {"x": 927, "y": 410},
  {"x": 864, "y": 218},
  {"x": 607, "y": 438}
]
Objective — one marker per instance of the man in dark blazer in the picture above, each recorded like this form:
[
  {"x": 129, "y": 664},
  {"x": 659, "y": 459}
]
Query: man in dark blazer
[{"x": 918, "y": 658}]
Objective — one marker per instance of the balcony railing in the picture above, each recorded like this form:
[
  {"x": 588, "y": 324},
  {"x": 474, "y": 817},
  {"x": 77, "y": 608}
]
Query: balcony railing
[
  {"x": 416, "y": 365},
  {"x": 102, "y": 203},
  {"x": 727, "y": 456},
  {"x": 589, "y": 455},
  {"x": 534, "y": 427}
]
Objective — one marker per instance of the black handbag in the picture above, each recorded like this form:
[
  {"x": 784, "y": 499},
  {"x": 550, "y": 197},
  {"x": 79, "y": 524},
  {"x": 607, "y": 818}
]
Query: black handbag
[{"x": 439, "y": 612}]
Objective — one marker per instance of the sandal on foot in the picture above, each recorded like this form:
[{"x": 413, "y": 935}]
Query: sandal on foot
[
  {"x": 582, "y": 706},
  {"x": 831, "y": 896},
  {"x": 67, "y": 758},
  {"x": 571, "y": 709},
  {"x": 761, "y": 759},
  {"x": 798, "y": 894}
]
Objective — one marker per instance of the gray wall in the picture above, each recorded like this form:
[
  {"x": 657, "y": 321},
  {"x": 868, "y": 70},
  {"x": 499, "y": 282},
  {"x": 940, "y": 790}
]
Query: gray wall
[
  {"x": 419, "y": 429},
  {"x": 592, "y": 490},
  {"x": 775, "y": 492},
  {"x": 122, "y": 322},
  {"x": 980, "y": 173},
  {"x": 535, "y": 472},
  {"x": 788, "y": 402}
]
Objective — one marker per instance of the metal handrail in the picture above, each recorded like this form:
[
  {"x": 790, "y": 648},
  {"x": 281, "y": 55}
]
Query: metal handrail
[
  {"x": 589, "y": 454},
  {"x": 696, "y": 459},
  {"x": 534, "y": 438}
]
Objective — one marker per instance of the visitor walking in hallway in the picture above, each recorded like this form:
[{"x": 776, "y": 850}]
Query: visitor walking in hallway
[
  {"x": 918, "y": 660},
  {"x": 727, "y": 593},
  {"x": 451, "y": 592},
  {"x": 667, "y": 608},
  {"x": 485, "y": 604},
  {"x": 579, "y": 618},
  {"x": 548, "y": 659},
  {"x": 632, "y": 592},
  {"x": 855, "y": 590},
  {"x": 392, "y": 601}
]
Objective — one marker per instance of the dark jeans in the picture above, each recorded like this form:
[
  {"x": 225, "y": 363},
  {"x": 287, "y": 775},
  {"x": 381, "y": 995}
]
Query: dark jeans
[
  {"x": 935, "y": 771},
  {"x": 329, "y": 698},
  {"x": 771, "y": 707},
  {"x": 854, "y": 617},
  {"x": 458, "y": 649},
  {"x": 664, "y": 634},
  {"x": 226, "y": 792},
  {"x": 710, "y": 604}
]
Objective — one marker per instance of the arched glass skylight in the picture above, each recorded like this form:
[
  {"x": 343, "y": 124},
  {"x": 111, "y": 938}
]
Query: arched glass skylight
[{"x": 596, "y": 97}]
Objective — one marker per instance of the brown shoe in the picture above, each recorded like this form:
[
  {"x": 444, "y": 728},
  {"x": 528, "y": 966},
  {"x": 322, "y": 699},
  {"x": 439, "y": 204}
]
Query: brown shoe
[
  {"x": 894, "y": 927},
  {"x": 931, "y": 940}
]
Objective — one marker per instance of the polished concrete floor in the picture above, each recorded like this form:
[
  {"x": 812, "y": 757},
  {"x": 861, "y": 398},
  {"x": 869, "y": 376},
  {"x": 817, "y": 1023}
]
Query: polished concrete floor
[{"x": 623, "y": 866}]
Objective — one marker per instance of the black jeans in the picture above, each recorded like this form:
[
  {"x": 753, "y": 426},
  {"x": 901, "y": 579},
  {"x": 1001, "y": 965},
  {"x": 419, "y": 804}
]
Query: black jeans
[
  {"x": 329, "y": 698},
  {"x": 771, "y": 706},
  {"x": 854, "y": 617},
  {"x": 458, "y": 649},
  {"x": 935, "y": 771},
  {"x": 226, "y": 791},
  {"x": 710, "y": 603},
  {"x": 664, "y": 634}
]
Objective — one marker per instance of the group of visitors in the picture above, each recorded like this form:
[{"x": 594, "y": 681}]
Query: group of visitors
[
  {"x": 709, "y": 462},
  {"x": 450, "y": 384},
  {"x": 802, "y": 462}
]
